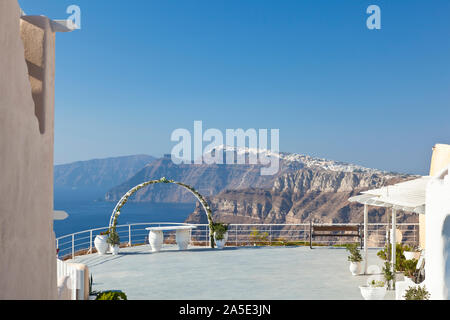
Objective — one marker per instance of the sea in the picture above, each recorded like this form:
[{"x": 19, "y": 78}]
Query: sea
[{"x": 85, "y": 213}]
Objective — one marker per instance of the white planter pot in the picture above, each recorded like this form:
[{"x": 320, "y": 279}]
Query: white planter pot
[
  {"x": 355, "y": 268},
  {"x": 114, "y": 249},
  {"x": 409, "y": 255},
  {"x": 402, "y": 286},
  {"x": 410, "y": 282},
  {"x": 100, "y": 244},
  {"x": 221, "y": 243},
  {"x": 399, "y": 276},
  {"x": 92, "y": 297},
  {"x": 156, "y": 239},
  {"x": 373, "y": 293}
]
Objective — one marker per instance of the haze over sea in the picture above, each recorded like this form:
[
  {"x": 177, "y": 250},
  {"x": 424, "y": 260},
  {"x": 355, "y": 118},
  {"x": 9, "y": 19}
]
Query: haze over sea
[{"x": 85, "y": 213}]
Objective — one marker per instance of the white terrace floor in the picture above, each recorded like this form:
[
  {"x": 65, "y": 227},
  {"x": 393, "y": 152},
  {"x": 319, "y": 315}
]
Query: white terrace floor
[{"x": 232, "y": 273}]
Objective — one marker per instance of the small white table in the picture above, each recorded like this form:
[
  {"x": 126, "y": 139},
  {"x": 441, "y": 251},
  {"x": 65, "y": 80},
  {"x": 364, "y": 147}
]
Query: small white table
[{"x": 183, "y": 236}]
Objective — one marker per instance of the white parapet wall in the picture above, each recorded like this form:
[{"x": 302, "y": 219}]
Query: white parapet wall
[
  {"x": 437, "y": 253},
  {"x": 73, "y": 280}
]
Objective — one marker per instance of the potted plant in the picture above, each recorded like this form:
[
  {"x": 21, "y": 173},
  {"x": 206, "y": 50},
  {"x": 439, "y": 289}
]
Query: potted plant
[
  {"x": 410, "y": 270},
  {"x": 100, "y": 242},
  {"x": 385, "y": 255},
  {"x": 111, "y": 295},
  {"x": 375, "y": 290},
  {"x": 355, "y": 258},
  {"x": 389, "y": 275},
  {"x": 417, "y": 293},
  {"x": 400, "y": 260},
  {"x": 411, "y": 253},
  {"x": 113, "y": 241},
  {"x": 220, "y": 234},
  {"x": 412, "y": 278}
]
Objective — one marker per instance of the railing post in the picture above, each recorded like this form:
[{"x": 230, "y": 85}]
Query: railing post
[
  {"x": 209, "y": 237},
  {"x": 129, "y": 235},
  {"x": 415, "y": 243},
  {"x": 90, "y": 241},
  {"x": 73, "y": 246},
  {"x": 270, "y": 234},
  {"x": 310, "y": 234},
  {"x": 236, "y": 232}
]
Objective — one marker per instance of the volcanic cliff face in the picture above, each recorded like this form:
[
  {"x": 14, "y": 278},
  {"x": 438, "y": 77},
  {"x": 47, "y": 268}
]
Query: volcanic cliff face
[
  {"x": 208, "y": 179},
  {"x": 310, "y": 180},
  {"x": 304, "y": 188},
  {"x": 299, "y": 197},
  {"x": 211, "y": 179}
]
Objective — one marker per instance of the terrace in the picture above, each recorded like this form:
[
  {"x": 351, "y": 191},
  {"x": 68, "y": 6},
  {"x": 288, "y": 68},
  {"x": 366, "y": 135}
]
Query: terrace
[
  {"x": 233, "y": 273},
  {"x": 259, "y": 262}
]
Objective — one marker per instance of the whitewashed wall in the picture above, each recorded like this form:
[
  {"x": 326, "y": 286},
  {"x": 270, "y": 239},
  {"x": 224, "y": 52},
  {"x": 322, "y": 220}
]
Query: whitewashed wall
[{"x": 437, "y": 254}]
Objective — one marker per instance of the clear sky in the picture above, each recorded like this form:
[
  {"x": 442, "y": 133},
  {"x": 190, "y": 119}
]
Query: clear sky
[{"x": 137, "y": 70}]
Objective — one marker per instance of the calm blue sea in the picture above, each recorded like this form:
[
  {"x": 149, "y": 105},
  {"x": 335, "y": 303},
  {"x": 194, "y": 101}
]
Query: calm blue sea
[{"x": 87, "y": 214}]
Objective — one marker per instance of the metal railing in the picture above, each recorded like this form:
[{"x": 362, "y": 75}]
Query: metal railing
[{"x": 82, "y": 242}]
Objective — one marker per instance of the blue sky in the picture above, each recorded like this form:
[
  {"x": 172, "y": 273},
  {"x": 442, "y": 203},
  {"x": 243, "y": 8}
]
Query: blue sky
[{"x": 137, "y": 70}]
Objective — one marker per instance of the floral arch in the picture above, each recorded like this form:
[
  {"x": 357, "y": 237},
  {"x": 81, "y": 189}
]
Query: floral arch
[{"x": 116, "y": 212}]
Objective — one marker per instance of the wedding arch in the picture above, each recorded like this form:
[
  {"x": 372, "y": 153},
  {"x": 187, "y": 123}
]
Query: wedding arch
[{"x": 116, "y": 212}]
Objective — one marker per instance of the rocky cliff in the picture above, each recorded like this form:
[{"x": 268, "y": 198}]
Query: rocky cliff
[
  {"x": 208, "y": 179},
  {"x": 307, "y": 194},
  {"x": 304, "y": 188},
  {"x": 211, "y": 179}
]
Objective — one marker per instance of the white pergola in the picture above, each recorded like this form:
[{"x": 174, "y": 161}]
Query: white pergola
[{"x": 406, "y": 196}]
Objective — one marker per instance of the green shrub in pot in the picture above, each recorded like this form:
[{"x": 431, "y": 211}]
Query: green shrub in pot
[
  {"x": 219, "y": 230},
  {"x": 354, "y": 253},
  {"x": 111, "y": 295},
  {"x": 417, "y": 293}
]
